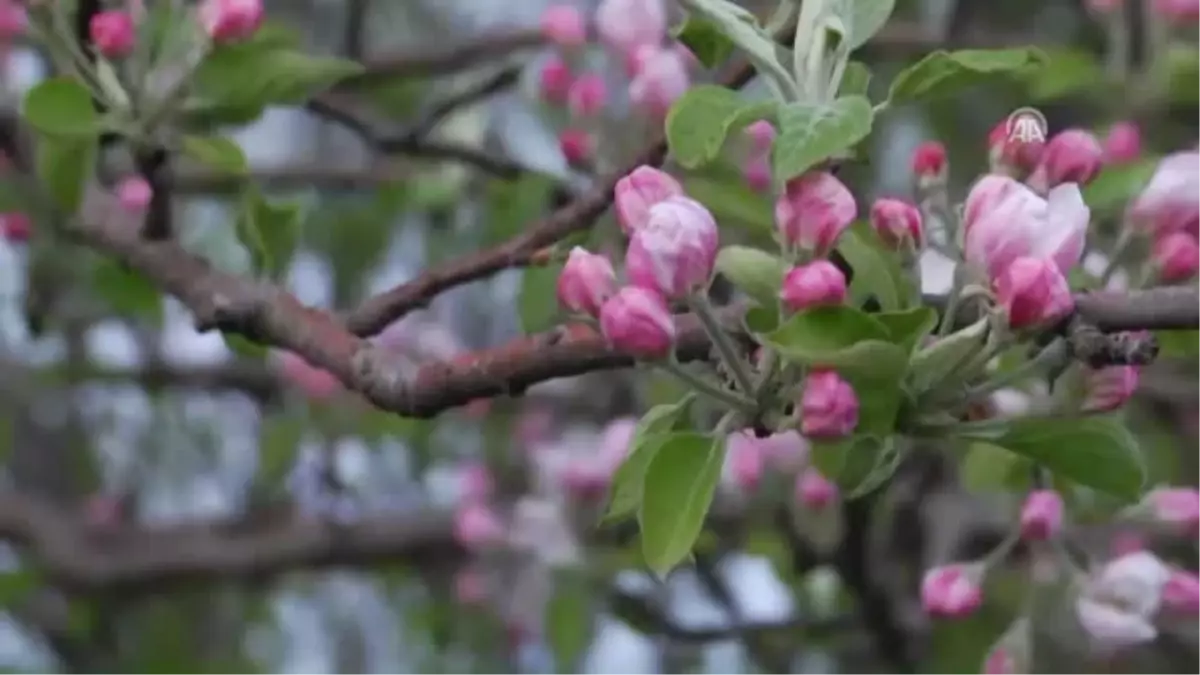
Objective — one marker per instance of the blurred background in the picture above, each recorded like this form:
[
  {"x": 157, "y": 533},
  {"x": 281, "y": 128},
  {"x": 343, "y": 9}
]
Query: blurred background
[{"x": 211, "y": 480}]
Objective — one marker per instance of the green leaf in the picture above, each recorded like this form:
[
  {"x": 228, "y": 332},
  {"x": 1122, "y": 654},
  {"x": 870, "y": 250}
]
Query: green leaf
[
  {"x": 812, "y": 133},
  {"x": 240, "y": 345},
  {"x": 829, "y": 457},
  {"x": 127, "y": 292},
  {"x": 64, "y": 165},
  {"x": 253, "y": 75},
  {"x": 856, "y": 80},
  {"x": 730, "y": 200},
  {"x": 568, "y": 619},
  {"x": 869, "y": 463},
  {"x": 679, "y": 487},
  {"x": 61, "y": 106},
  {"x": 270, "y": 231},
  {"x": 538, "y": 303},
  {"x": 1096, "y": 452},
  {"x": 1065, "y": 73},
  {"x": 741, "y": 27},
  {"x": 625, "y": 495},
  {"x": 864, "y": 18},
  {"x": 1114, "y": 186},
  {"x": 514, "y": 204},
  {"x": 944, "y": 361},
  {"x": 991, "y": 468},
  {"x": 877, "y": 273},
  {"x": 217, "y": 152},
  {"x": 701, "y": 119},
  {"x": 755, "y": 272},
  {"x": 705, "y": 40},
  {"x": 942, "y": 72},
  {"x": 908, "y": 327}
]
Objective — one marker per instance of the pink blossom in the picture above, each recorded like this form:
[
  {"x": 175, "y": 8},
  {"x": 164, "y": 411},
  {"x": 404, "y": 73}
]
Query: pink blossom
[
  {"x": 1179, "y": 507},
  {"x": 1181, "y": 593},
  {"x": 13, "y": 20},
  {"x": 813, "y": 212},
  {"x": 1108, "y": 388},
  {"x": 1170, "y": 202},
  {"x": 641, "y": 189},
  {"x": 1005, "y": 220},
  {"x": 1000, "y": 662},
  {"x": 814, "y": 491},
  {"x": 533, "y": 425},
  {"x": 554, "y": 80},
  {"x": 745, "y": 460},
  {"x": 661, "y": 79},
  {"x": 586, "y": 480},
  {"x": 1176, "y": 255},
  {"x": 15, "y": 227},
  {"x": 1033, "y": 292},
  {"x": 816, "y": 284},
  {"x": 625, "y": 25},
  {"x": 674, "y": 253},
  {"x": 1179, "y": 12},
  {"x": 1123, "y": 144},
  {"x": 1041, "y": 515},
  {"x": 929, "y": 164},
  {"x": 828, "y": 406},
  {"x": 576, "y": 145},
  {"x": 757, "y": 172},
  {"x": 637, "y": 321},
  {"x": 1009, "y": 153},
  {"x": 897, "y": 222},
  {"x": 586, "y": 281},
  {"x": 1126, "y": 542},
  {"x": 786, "y": 451},
  {"x": 1071, "y": 156},
  {"x": 477, "y": 526},
  {"x": 587, "y": 95},
  {"x": 230, "y": 20},
  {"x": 1118, "y": 603},
  {"x": 615, "y": 440},
  {"x": 564, "y": 26},
  {"x": 952, "y": 591},
  {"x": 477, "y": 483},
  {"x": 113, "y": 33},
  {"x": 762, "y": 136},
  {"x": 134, "y": 194}
]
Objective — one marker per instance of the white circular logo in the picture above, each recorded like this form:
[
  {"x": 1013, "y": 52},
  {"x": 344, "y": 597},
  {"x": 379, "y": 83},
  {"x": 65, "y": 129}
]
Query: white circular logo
[{"x": 1026, "y": 125}]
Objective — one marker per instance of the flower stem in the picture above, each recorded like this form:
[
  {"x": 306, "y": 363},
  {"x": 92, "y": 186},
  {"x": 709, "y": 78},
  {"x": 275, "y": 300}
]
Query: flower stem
[
  {"x": 948, "y": 316},
  {"x": 1124, "y": 239},
  {"x": 1053, "y": 354},
  {"x": 725, "y": 348},
  {"x": 707, "y": 388}
]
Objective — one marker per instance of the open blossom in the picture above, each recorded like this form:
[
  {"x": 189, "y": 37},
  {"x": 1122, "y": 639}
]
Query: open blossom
[
  {"x": 1117, "y": 605},
  {"x": 554, "y": 80},
  {"x": 1176, "y": 255},
  {"x": 813, "y": 212},
  {"x": 637, "y": 321},
  {"x": 1181, "y": 593},
  {"x": 818, "y": 283},
  {"x": 661, "y": 79},
  {"x": 828, "y": 406},
  {"x": 1033, "y": 292},
  {"x": 477, "y": 526},
  {"x": 113, "y": 33},
  {"x": 1178, "y": 507},
  {"x": 625, "y": 25},
  {"x": 952, "y": 591},
  {"x": 1109, "y": 388},
  {"x": 897, "y": 222},
  {"x": 1170, "y": 202},
  {"x": 815, "y": 491},
  {"x": 1041, "y": 515},
  {"x": 674, "y": 253},
  {"x": 563, "y": 25},
  {"x": 1123, "y": 144},
  {"x": 587, "y": 95},
  {"x": 641, "y": 189},
  {"x": 134, "y": 194},
  {"x": 586, "y": 281},
  {"x": 230, "y": 20},
  {"x": 1005, "y": 220},
  {"x": 1071, "y": 156}
]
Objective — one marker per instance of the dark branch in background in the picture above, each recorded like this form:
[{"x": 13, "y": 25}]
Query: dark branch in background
[
  {"x": 432, "y": 62},
  {"x": 154, "y": 166},
  {"x": 492, "y": 85}
]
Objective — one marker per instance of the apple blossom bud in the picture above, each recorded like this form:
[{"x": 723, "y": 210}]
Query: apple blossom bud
[
  {"x": 564, "y": 26},
  {"x": 674, "y": 253},
  {"x": 1071, "y": 156},
  {"x": 897, "y": 223},
  {"x": 1181, "y": 593},
  {"x": 587, "y": 95},
  {"x": 14, "y": 21},
  {"x": 16, "y": 227},
  {"x": 1178, "y": 12},
  {"x": 586, "y": 481},
  {"x": 634, "y": 194},
  {"x": 586, "y": 281},
  {"x": 1000, "y": 662},
  {"x": 929, "y": 165},
  {"x": 818, "y": 283},
  {"x": 637, "y": 321},
  {"x": 1033, "y": 292},
  {"x": 1108, "y": 388},
  {"x": 745, "y": 460},
  {"x": 828, "y": 406},
  {"x": 1176, "y": 507},
  {"x": 1012, "y": 652},
  {"x": 1124, "y": 543},
  {"x": 134, "y": 194},
  {"x": 470, "y": 587},
  {"x": 952, "y": 591},
  {"x": 112, "y": 33},
  {"x": 813, "y": 212},
  {"x": 661, "y": 79},
  {"x": 757, "y": 172},
  {"x": 785, "y": 451},
  {"x": 1117, "y": 605},
  {"x": 477, "y": 526},
  {"x": 477, "y": 484},
  {"x": 761, "y": 135},
  {"x": 576, "y": 145},
  {"x": 625, "y": 25},
  {"x": 554, "y": 80},
  {"x": 1011, "y": 155},
  {"x": 230, "y": 20},
  {"x": 1176, "y": 256},
  {"x": 814, "y": 491},
  {"x": 1042, "y": 515},
  {"x": 1123, "y": 144},
  {"x": 1170, "y": 202}
]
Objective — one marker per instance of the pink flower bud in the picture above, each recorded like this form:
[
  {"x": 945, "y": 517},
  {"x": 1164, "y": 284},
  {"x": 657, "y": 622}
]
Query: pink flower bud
[
  {"x": 952, "y": 591},
  {"x": 674, "y": 253},
  {"x": 828, "y": 406},
  {"x": 1071, "y": 156},
  {"x": 897, "y": 223},
  {"x": 587, "y": 95},
  {"x": 615, "y": 440},
  {"x": 564, "y": 26},
  {"x": 316, "y": 383},
  {"x": 1124, "y": 543},
  {"x": 745, "y": 460},
  {"x": 815, "y": 491},
  {"x": 1000, "y": 661},
  {"x": 586, "y": 481},
  {"x": 929, "y": 164},
  {"x": 476, "y": 526},
  {"x": 112, "y": 33},
  {"x": 661, "y": 79},
  {"x": 230, "y": 20},
  {"x": 1181, "y": 593},
  {"x": 533, "y": 426},
  {"x": 477, "y": 483},
  {"x": 13, "y": 20},
  {"x": 1109, "y": 388},
  {"x": 554, "y": 80},
  {"x": 786, "y": 451},
  {"x": 757, "y": 172},
  {"x": 637, "y": 321},
  {"x": 1177, "y": 507},
  {"x": 1178, "y": 12},
  {"x": 1176, "y": 255},
  {"x": 818, "y": 283},
  {"x": 634, "y": 194},
  {"x": 134, "y": 194},
  {"x": 1123, "y": 143},
  {"x": 1009, "y": 153},
  {"x": 761, "y": 135},
  {"x": 625, "y": 25},
  {"x": 1042, "y": 515},
  {"x": 576, "y": 145},
  {"x": 1170, "y": 202},
  {"x": 586, "y": 281},
  {"x": 1033, "y": 292},
  {"x": 15, "y": 227},
  {"x": 813, "y": 212},
  {"x": 1005, "y": 220},
  {"x": 470, "y": 587}
]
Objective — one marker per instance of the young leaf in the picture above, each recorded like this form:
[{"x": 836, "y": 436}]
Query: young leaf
[
  {"x": 741, "y": 27},
  {"x": 935, "y": 365},
  {"x": 942, "y": 72},
  {"x": 876, "y": 273},
  {"x": 755, "y": 272},
  {"x": 569, "y": 619},
  {"x": 730, "y": 200},
  {"x": 625, "y": 495},
  {"x": 908, "y": 327},
  {"x": 701, "y": 119},
  {"x": 811, "y": 133},
  {"x": 990, "y": 468},
  {"x": 870, "y": 462},
  {"x": 855, "y": 80},
  {"x": 253, "y": 75},
  {"x": 705, "y": 40},
  {"x": 61, "y": 106},
  {"x": 242, "y": 347},
  {"x": 126, "y": 291},
  {"x": 64, "y": 164},
  {"x": 1116, "y": 185},
  {"x": 216, "y": 152},
  {"x": 823, "y": 333},
  {"x": 269, "y": 231},
  {"x": 864, "y": 18},
  {"x": 679, "y": 487},
  {"x": 537, "y": 303}
]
